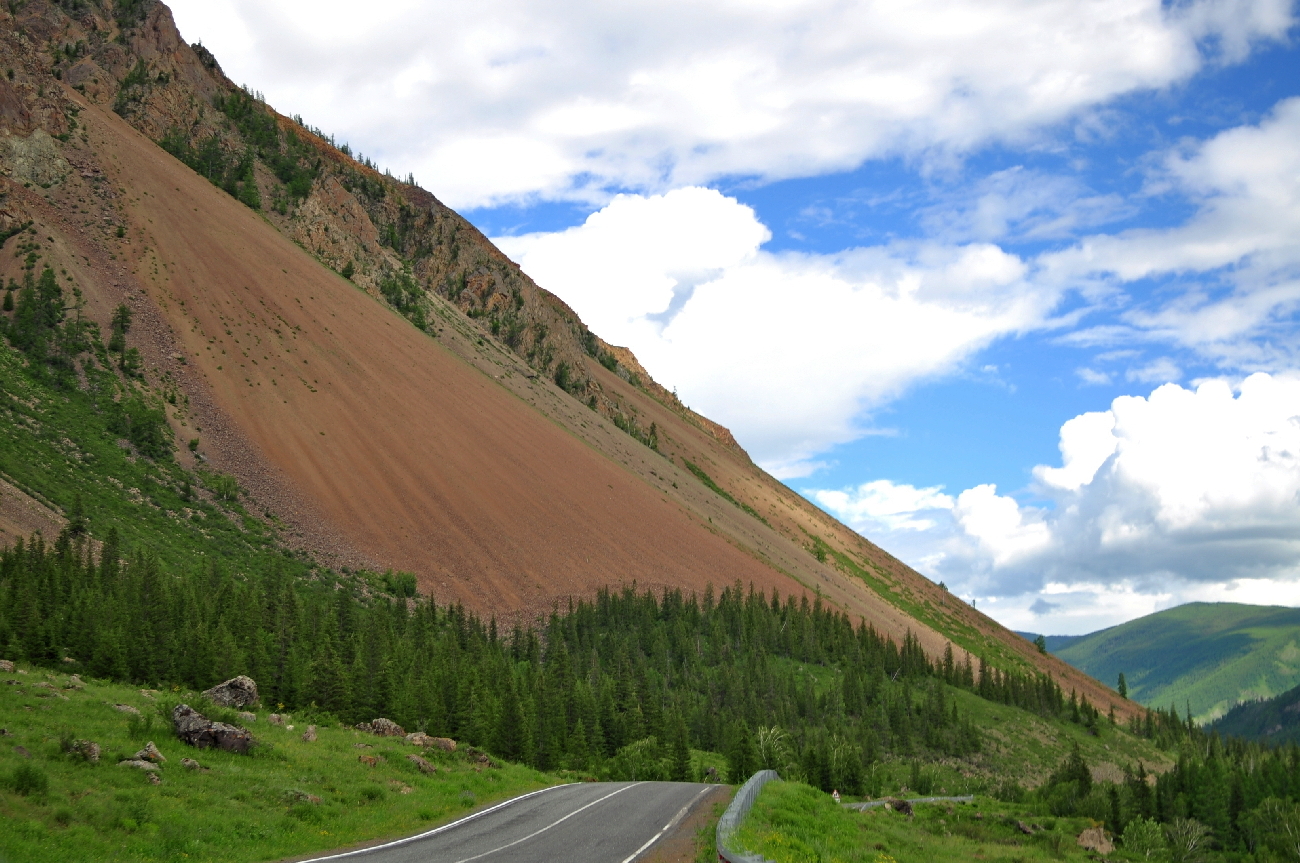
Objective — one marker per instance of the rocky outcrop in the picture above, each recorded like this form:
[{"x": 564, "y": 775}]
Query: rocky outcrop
[
  {"x": 198, "y": 731},
  {"x": 126, "y": 708},
  {"x": 425, "y": 766},
  {"x": 1095, "y": 839},
  {"x": 139, "y": 764},
  {"x": 86, "y": 750},
  {"x": 446, "y": 744},
  {"x": 33, "y": 159},
  {"x": 150, "y": 753},
  {"x": 382, "y": 728},
  {"x": 6, "y": 666},
  {"x": 238, "y": 691}
]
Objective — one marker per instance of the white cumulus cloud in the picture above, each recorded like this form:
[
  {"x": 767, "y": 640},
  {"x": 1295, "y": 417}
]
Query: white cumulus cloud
[
  {"x": 790, "y": 351},
  {"x": 1182, "y": 495},
  {"x": 508, "y": 100}
]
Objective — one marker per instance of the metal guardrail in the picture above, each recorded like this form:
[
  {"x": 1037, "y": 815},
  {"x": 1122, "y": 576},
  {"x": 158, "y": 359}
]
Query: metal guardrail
[{"x": 729, "y": 823}]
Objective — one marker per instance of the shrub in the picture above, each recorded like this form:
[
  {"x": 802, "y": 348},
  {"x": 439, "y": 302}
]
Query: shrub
[
  {"x": 1188, "y": 840},
  {"x": 222, "y": 485},
  {"x": 1144, "y": 839},
  {"x": 400, "y": 584},
  {"x": 29, "y": 779}
]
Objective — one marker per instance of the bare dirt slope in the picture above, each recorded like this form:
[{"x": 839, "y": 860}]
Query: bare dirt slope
[{"x": 420, "y": 461}]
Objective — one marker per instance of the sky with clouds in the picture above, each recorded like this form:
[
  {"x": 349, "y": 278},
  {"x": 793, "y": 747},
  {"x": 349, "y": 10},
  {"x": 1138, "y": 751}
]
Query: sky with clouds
[{"x": 1011, "y": 287}]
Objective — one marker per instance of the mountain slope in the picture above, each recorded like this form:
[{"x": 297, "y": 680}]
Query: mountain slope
[
  {"x": 1272, "y": 720},
  {"x": 1208, "y": 655},
  {"x": 438, "y": 412}
]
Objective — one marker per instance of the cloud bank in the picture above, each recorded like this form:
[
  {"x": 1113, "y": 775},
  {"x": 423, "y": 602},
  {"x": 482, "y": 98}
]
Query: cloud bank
[
  {"x": 504, "y": 100},
  {"x": 789, "y": 349},
  {"x": 1185, "y": 493}
]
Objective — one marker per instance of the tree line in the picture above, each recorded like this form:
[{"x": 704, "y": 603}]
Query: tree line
[{"x": 623, "y": 683}]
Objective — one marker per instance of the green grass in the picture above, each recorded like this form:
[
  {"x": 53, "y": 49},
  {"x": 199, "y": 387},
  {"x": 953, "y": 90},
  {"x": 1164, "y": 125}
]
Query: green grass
[
  {"x": 56, "y": 444},
  {"x": 720, "y": 491},
  {"x": 1026, "y": 748},
  {"x": 1208, "y": 655},
  {"x": 792, "y": 823},
  {"x": 961, "y": 634},
  {"x": 244, "y": 808}
]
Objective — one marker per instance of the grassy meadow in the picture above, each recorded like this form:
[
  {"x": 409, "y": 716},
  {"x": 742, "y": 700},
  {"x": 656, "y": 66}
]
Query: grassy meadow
[
  {"x": 288, "y": 798},
  {"x": 793, "y": 823}
]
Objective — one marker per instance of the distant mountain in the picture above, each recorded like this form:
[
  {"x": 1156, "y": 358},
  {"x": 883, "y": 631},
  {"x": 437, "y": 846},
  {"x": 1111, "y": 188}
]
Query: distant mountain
[
  {"x": 1209, "y": 655},
  {"x": 1275, "y": 720}
]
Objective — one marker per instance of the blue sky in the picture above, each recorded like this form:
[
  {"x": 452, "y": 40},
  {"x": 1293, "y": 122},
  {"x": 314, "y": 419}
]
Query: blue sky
[{"x": 1009, "y": 287}]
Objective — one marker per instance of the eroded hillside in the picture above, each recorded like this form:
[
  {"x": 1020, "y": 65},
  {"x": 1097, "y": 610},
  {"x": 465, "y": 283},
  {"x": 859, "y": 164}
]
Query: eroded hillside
[{"x": 384, "y": 382}]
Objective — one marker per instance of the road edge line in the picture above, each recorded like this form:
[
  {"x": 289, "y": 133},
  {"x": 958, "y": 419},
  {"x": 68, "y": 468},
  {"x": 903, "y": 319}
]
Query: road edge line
[
  {"x": 678, "y": 817},
  {"x": 397, "y": 842}
]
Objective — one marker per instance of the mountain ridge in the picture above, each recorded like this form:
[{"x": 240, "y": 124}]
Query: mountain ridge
[
  {"x": 427, "y": 294},
  {"x": 1210, "y": 656}
]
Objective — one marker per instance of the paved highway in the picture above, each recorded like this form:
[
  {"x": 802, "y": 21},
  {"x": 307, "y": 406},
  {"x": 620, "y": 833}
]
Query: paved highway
[{"x": 590, "y": 822}]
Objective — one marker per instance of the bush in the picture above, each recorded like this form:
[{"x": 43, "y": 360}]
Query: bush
[
  {"x": 1144, "y": 839},
  {"x": 1188, "y": 840},
  {"x": 29, "y": 779},
  {"x": 222, "y": 485},
  {"x": 144, "y": 426},
  {"x": 400, "y": 584}
]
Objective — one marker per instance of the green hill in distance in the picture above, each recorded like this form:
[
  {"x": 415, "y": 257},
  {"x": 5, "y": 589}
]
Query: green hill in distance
[
  {"x": 1210, "y": 656},
  {"x": 1272, "y": 720}
]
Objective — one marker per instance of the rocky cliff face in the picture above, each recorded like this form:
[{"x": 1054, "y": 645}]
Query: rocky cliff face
[{"x": 393, "y": 239}]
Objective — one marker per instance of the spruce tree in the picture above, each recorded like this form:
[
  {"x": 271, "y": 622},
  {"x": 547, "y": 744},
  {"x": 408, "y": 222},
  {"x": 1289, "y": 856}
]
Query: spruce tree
[{"x": 681, "y": 752}]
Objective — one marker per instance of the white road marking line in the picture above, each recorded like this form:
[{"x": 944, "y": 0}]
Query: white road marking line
[
  {"x": 678, "y": 817},
  {"x": 552, "y": 824},
  {"x": 436, "y": 830}
]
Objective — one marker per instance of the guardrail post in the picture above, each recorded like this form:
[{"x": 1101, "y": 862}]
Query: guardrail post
[{"x": 729, "y": 823}]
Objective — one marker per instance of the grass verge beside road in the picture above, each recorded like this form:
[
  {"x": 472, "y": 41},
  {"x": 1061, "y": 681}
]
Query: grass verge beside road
[
  {"x": 793, "y": 823},
  {"x": 288, "y": 798}
]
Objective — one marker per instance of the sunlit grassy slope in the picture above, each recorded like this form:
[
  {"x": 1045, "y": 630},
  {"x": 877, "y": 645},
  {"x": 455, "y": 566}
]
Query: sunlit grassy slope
[
  {"x": 1208, "y": 655},
  {"x": 792, "y": 823},
  {"x": 289, "y": 798}
]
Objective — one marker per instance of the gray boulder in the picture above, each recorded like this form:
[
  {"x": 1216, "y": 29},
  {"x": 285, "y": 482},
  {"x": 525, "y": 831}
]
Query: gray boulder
[
  {"x": 382, "y": 728},
  {"x": 198, "y": 731},
  {"x": 238, "y": 691},
  {"x": 151, "y": 753}
]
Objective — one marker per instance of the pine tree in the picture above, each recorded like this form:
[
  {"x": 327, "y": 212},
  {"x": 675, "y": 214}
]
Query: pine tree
[
  {"x": 681, "y": 752},
  {"x": 742, "y": 758}
]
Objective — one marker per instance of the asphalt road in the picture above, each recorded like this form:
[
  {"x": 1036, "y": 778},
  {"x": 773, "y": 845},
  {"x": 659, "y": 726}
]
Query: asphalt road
[{"x": 590, "y": 822}]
